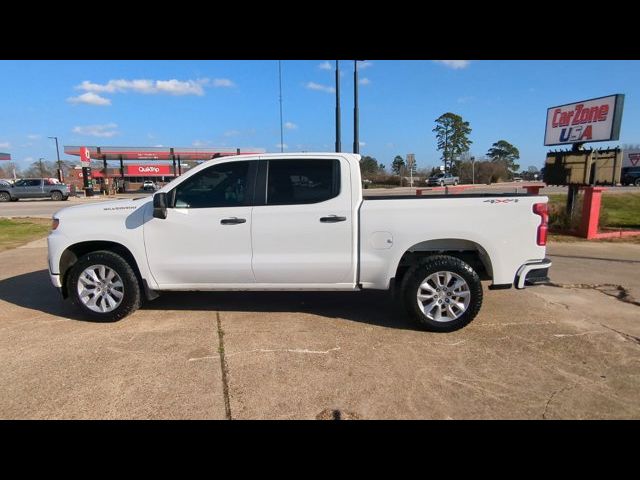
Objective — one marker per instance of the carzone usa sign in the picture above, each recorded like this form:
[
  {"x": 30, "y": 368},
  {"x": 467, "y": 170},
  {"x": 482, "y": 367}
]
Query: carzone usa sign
[{"x": 595, "y": 120}]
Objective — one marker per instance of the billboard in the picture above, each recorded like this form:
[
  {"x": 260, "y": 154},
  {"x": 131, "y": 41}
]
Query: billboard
[
  {"x": 5, "y": 156},
  {"x": 595, "y": 120},
  {"x": 85, "y": 157},
  {"x": 148, "y": 170},
  {"x": 631, "y": 158}
]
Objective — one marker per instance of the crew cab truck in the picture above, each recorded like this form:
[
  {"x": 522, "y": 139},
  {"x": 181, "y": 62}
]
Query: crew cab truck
[
  {"x": 297, "y": 221},
  {"x": 34, "y": 188}
]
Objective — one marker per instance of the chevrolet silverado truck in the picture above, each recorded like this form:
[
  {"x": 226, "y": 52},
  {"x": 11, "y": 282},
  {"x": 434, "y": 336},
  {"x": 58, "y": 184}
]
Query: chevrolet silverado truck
[
  {"x": 297, "y": 222},
  {"x": 34, "y": 188}
]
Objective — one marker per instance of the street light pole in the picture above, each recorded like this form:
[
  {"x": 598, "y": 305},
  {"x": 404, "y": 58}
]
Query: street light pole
[
  {"x": 338, "y": 142},
  {"x": 60, "y": 177},
  {"x": 473, "y": 170}
]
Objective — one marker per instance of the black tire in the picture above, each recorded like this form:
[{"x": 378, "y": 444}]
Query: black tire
[
  {"x": 132, "y": 297},
  {"x": 15, "y": 199},
  {"x": 442, "y": 184},
  {"x": 56, "y": 196},
  {"x": 65, "y": 198},
  {"x": 455, "y": 183},
  {"x": 441, "y": 263},
  {"x": 5, "y": 197}
]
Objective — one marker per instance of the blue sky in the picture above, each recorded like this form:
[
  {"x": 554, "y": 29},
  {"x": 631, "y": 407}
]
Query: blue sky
[{"x": 235, "y": 104}]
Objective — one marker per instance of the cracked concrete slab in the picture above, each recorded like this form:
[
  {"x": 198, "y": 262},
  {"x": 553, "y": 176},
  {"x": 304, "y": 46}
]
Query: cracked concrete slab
[
  {"x": 543, "y": 352},
  {"x": 54, "y": 365}
]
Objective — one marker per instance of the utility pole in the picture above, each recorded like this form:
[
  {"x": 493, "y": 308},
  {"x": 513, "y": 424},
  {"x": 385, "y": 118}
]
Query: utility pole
[
  {"x": 356, "y": 139},
  {"x": 338, "y": 142},
  {"x": 41, "y": 167},
  {"x": 60, "y": 177},
  {"x": 280, "y": 84}
]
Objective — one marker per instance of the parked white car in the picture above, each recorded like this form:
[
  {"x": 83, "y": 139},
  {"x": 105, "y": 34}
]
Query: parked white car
[{"x": 297, "y": 221}]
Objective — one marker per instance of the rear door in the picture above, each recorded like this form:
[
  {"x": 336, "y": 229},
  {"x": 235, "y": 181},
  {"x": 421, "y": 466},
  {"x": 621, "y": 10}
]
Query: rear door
[
  {"x": 31, "y": 188},
  {"x": 302, "y": 230}
]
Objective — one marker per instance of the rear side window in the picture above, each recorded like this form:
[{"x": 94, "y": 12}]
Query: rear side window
[{"x": 291, "y": 182}]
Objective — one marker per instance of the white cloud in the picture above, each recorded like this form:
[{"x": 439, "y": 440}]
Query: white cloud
[
  {"x": 363, "y": 65},
  {"x": 159, "y": 145},
  {"x": 325, "y": 65},
  {"x": 5, "y": 145},
  {"x": 455, "y": 64},
  {"x": 290, "y": 125},
  {"x": 320, "y": 87},
  {"x": 364, "y": 81},
  {"x": 106, "y": 131},
  {"x": 282, "y": 145},
  {"x": 466, "y": 99},
  {"x": 90, "y": 98},
  {"x": 34, "y": 136},
  {"x": 362, "y": 144},
  {"x": 222, "y": 82},
  {"x": 200, "y": 143},
  {"x": 153, "y": 87},
  {"x": 231, "y": 133}
]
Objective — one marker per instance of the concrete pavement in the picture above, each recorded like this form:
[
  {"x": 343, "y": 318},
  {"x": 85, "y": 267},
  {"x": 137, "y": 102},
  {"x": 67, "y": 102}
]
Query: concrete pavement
[{"x": 545, "y": 352}]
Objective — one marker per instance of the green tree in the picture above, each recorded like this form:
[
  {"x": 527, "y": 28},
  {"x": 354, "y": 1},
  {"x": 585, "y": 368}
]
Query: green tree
[
  {"x": 452, "y": 134},
  {"x": 397, "y": 165},
  {"x": 503, "y": 151},
  {"x": 368, "y": 166}
]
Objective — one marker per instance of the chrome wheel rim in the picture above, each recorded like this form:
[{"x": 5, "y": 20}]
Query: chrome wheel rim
[
  {"x": 100, "y": 288},
  {"x": 443, "y": 296}
]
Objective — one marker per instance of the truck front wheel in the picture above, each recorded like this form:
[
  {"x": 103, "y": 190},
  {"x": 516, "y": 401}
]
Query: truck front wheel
[
  {"x": 104, "y": 286},
  {"x": 4, "y": 197},
  {"x": 442, "y": 293}
]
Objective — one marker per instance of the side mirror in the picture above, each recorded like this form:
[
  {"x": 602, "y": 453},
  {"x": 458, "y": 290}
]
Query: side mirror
[{"x": 160, "y": 205}]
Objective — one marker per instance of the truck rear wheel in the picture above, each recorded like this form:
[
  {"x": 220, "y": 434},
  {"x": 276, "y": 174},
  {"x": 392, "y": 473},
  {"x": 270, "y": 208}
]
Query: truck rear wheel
[
  {"x": 104, "y": 286},
  {"x": 57, "y": 196},
  {"x": 442, "y": 293}
]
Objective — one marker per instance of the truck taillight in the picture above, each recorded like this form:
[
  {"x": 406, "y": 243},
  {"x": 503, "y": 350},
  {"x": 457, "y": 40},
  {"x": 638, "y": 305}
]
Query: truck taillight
[
  {"x": 541, "y": 209},
  {"x": 55, "y": 224}
]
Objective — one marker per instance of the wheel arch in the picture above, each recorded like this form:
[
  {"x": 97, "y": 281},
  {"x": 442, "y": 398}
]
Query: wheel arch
[
  {"x": 73, "y": 252},
  {"x": 469, "y": 251}
]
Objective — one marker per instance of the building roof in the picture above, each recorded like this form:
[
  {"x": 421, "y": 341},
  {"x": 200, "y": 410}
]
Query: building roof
[{"x": 158, "y": 153}]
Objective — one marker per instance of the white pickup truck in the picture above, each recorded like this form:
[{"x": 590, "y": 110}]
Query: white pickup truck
[{"x": 297, "y": 221}]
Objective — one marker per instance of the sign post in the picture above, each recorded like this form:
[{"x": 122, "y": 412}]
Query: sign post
[
  {"x": 85, "y": 162},
  {"x": 411, "y": 162}
]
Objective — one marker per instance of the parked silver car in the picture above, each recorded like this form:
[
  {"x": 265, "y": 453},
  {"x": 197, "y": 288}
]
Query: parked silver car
[{"x": 443, "y": 179}]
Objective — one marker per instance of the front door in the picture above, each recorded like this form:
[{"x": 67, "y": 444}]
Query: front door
[
  {"x": 303, "y": 235},
  {"x": 205, "y": 241}
]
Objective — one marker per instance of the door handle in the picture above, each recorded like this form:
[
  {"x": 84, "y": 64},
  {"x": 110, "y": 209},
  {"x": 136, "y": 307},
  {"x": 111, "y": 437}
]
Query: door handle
[
  {"x": 332, "y": 219},
  {"x": 232, "y": 221}
]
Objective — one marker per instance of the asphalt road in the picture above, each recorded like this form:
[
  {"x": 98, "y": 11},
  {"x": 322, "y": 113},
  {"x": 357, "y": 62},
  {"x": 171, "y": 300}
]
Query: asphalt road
[
  {"x": 46, "y": 208},
  {"x": 566, "y": 351}
]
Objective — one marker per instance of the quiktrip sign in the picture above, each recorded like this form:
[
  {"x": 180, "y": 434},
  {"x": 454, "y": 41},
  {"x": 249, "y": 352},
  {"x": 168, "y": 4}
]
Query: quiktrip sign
[
  {"x": 594, "y": 120},
  {"x": 148, "y": 170}
]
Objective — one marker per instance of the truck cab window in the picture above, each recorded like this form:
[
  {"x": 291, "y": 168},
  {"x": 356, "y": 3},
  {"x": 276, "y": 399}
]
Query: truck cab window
[
  {"x": 302, "y": 181},
  {"x": 223, "y": 185}
]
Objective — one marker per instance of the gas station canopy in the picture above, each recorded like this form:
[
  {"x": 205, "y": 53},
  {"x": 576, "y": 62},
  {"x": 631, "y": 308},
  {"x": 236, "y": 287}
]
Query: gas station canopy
[{"x": 158, "y": 153}]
